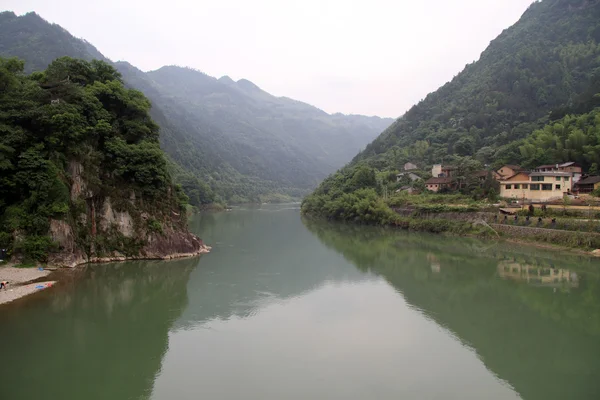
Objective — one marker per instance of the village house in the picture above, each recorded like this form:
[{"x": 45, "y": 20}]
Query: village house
[
  {"x": 508, "y": 170},
  {"x": 537, "y": 186},
  {"x": 409, "y": 166},
  {"x": 439, "y": 171},
  {"x": 483, "y": 175},
  {"x": 571, "y": 167},
  {"x": 436, "y": 184},
  {"x": 412, "y": 176},
  {"x": 588, "y": 184}
]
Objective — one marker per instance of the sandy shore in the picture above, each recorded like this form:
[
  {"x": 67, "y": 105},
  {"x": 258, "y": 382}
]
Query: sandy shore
[
  {"x": 16, "y": 292},
  {"x": 21, "y": 275},
  {"x": 17, "y": 278},
  {"x": 22, "y": 281}
]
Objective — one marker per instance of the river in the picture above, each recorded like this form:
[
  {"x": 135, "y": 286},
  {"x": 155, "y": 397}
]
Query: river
[{"x": 286, "y": 308}]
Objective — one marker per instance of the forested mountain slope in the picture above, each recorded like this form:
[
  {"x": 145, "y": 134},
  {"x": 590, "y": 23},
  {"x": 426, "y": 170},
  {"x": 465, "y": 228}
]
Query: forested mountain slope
[
  {"x": 31, "y": 38},
  {"x": 238, "y": 139},
  {"x": 82, "y": 174},
  {"x": 544, "y": 62},
  {"x": 510, "y": 106}
]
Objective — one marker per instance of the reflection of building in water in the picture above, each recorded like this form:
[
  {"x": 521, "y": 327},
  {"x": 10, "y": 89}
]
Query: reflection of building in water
[
  {"x": 435, "y": 264},
  {"x": 545, "y": 276}
]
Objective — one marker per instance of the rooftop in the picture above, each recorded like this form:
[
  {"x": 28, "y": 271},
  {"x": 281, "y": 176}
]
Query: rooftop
[
  {"x": 569, "y": 164},
  {"x": 482, "y": 173},
  {"x": 526, "y": 173},
  {"x": 550, "y": 173},
  {"x": 441, "y": 180},
  {"x": 559, "y": 165},
  {"x": 408, "y": 173},
  {"x": 512, "y": 166},
  {"x": 590, "y": 180}
]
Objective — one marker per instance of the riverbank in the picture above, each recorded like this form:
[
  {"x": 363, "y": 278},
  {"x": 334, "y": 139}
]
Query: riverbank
[
  {"x": 11, "y": 294},
  {"x": 485, "y": 225},
  {"x": 26, "y": 281},
  {"x": 455, "y": 214},
  {"x": 203, "y": 249},
  {"x": 22, "y": 282}
]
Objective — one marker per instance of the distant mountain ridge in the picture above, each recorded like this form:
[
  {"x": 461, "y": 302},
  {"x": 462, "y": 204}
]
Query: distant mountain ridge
[{"x": 240, "y": 140}]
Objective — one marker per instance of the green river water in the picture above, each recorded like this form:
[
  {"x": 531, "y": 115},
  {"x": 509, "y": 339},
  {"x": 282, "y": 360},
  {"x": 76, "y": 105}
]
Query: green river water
[{"x": 286, "y": 308}]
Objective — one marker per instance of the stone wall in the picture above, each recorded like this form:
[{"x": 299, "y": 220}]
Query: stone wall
[
  {"x": 526, "y": 231},
  {"x": 455, "y": 216},
  {"x": 578, "y": 237}
]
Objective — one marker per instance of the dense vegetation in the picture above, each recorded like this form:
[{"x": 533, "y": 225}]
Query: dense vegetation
[
  {"x": 226, "y": 140},
  {"x": 74, "y": 113},
  {"x": 530, "y": 99},
  {"x": 573, "y": 137}
]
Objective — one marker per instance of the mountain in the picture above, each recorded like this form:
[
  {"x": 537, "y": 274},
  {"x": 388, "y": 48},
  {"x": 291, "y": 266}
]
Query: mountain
[
  {"x": 543, "y": 67},
  {"x": 82, "y": 175},
  {"x": 33, "y": 39},
  {"x": 546, "y": 61},
  {"x": 238, "y": 139}
]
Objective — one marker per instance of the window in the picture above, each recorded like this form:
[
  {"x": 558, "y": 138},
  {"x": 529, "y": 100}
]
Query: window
[
  {"x": 525, "y": 186},
  {"x": 537, "y": 178},
  {"x": 517, "y": 186},
  {"x": 557, "y": 187},
  {"x": 535, "y": 186},
  {"x": 508, "y": 187},
  {"x": 547, "y": 186},
  {"x": 558, "y": 178},
  {"x": 566, "y": 179}
]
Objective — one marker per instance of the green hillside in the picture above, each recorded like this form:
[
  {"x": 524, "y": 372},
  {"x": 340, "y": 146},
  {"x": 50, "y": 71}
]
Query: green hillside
[
  {"x": 76, "y": 146},
  {"x": 542, "y": 68},
  {"x": 225, "y": 139},
  {"x": 546, "y": 61}
]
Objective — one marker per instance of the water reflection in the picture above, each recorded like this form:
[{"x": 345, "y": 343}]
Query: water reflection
[
  {"x": 544, "y": 343},
  {"x": 534, "y": 275},
  {"x": 274, "y": 314},
  {"x": 333, "y": 311},
  {"x": 260, "y": 256},
  {"x": 101, "y": 334}
]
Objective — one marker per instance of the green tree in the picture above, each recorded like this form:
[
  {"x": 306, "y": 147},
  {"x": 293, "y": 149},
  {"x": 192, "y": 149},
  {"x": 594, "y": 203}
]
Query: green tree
[{"x": 74, "y": 112}]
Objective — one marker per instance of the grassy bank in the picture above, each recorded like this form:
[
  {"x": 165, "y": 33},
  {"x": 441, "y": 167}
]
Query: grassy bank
[{"x": 455, "y": 215}]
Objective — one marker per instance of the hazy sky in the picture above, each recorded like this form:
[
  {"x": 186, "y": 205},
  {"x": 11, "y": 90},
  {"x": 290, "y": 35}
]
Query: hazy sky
[{"x": 374, "y": 57}]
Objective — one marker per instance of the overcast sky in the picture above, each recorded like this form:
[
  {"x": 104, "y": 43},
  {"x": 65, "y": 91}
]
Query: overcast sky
[{"x": 373, "y": 57}]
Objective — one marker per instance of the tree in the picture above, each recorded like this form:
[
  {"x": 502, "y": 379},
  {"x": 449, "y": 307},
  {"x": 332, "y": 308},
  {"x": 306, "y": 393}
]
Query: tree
[{"x": 74, "y": 112}]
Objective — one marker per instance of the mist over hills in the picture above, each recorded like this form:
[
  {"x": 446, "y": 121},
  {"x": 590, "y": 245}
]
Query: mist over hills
[{"x": 226, "y": 140}]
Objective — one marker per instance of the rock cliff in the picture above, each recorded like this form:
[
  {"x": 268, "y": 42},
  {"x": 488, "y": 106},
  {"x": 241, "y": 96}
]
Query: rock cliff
[
  {"x": 112, "y": 234},
  {"x": 82, "y": 174}
]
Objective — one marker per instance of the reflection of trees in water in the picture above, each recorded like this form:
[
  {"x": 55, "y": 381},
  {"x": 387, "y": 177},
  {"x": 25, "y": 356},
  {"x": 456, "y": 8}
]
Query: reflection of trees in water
[
  {"x": 534, "y": 337},
  {"x": 266, "y": 256},
  {"x": 102, "y": 336}
]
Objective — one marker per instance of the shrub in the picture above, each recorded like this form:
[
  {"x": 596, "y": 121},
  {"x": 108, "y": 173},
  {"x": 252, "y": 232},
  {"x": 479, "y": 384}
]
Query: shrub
[
  {"x": 154, "y": 226},
  {"x": 36, "y": 248}
]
